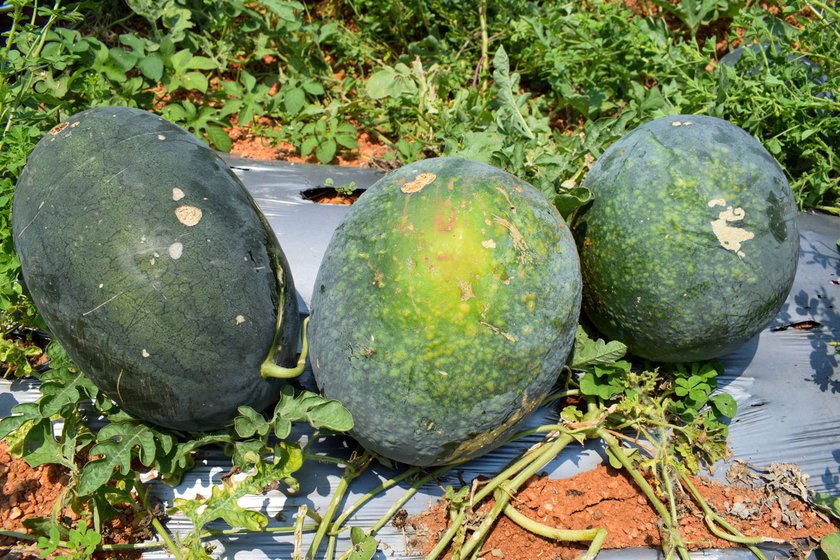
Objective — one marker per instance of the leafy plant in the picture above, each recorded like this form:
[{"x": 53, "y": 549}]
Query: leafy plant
[
  {"x": 344, "y": 190},
  {"x": 81, "y": 543},
  {"x": 325, "y": 135},
  {"x": 696, "y": 13},
  {"x": 830, "y": 546}
]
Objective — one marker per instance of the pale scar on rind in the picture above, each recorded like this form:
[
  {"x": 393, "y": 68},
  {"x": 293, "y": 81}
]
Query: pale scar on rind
[
  {"x": 418, "y": 183},
  {"x": 729, "y": 236},
  {"x": 176, "y": 250},
  {"x": 188, "y": 215},
  {"x": 177, "y": 194}
]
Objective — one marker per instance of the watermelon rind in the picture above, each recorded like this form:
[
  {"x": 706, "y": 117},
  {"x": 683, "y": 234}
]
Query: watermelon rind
[
  {"x": 444, "y": 310},
  {"x": 690, "y": 246},
  {"x": 153, "y": 267}
]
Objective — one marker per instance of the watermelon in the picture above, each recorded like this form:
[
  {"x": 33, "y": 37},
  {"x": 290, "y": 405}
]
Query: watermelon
[
  {"x": 444, "y": 310},
  {"x": 690, "y": 246},
  {"x": 152, "y": 266}
]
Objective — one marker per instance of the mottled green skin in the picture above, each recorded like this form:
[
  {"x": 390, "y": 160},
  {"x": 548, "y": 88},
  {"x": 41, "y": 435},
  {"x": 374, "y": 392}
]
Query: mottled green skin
[
  {"x": 442, "y": 317},
  {"x": 170, "y": 319},
  {"x": 668, "y": 263}
]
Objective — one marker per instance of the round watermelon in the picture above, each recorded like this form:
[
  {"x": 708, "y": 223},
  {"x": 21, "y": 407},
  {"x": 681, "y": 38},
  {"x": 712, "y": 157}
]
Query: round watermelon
[
  {"x": 153, "y": 267},
  {"x": 690, "y": 246},
  {"x": 444, "y": 310}
]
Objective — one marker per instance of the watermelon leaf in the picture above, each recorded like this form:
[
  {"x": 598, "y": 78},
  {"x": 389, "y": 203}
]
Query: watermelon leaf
[
  {"x": 364, "y": 545},
  {"x": 222, "y": 504},
  {"x": 39, "y": 445},
  {"x": 330, "y": 415},
  {"x": 615, "y": 463},
  {"x": 116, "y": 445},
  {"x": 22, "y": 413},
  {"x": 310, "y": 407},
  {"x": 605, "y": 381},
  {"x": 250, "y": 422},
  {"x": 828, "y": 503},
  {"x": 724, "y": 404},
  {"x": 506, "y": 84},
  {"x": 589, "y": 352},
  {"x": 830, "y": 546},
  {"x": 569, "y": 200}
]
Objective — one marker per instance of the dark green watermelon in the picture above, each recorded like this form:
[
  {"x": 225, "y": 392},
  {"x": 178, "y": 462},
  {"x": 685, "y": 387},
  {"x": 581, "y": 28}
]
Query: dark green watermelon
[
  {"x": 444, "y": 309},
  {"x": 690, "y": 246},
  {"x": 151, "y": 264}
]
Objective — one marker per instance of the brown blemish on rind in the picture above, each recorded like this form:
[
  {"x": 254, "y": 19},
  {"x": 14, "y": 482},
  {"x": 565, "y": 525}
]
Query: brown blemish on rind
[
  {"x": 188, "y": 215},
  {"x": 507, "y": 198},
  {"x": 58, "y": 128},
  {"x": 446, "y": 224},
  {"x": 466, "y": 290},
  {"x": 497, "y": 330},
  {"x": 518, "y": 240},
  {"x": 418, "y": 183}
]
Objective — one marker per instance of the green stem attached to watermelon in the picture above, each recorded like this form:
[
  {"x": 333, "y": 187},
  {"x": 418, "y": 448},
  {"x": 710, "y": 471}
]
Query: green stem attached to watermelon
[{"x": 270, "y": 369}]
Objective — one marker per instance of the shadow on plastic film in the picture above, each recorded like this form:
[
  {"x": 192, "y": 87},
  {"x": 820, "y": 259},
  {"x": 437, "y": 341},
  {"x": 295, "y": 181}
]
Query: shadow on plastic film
[
  {"x": 737, "y": 362},
  {"x": 7, "y": 403},
  {"x": 811, "y": 310},
  {"x": 824, "y": 357},
  {"x": 820, "y": 328},
  {"x": 822, "y": 306},
  {"x": 831, "y": 480},
  {"x": 9, "y": 398},
  {"x": 820, "y": 251}
]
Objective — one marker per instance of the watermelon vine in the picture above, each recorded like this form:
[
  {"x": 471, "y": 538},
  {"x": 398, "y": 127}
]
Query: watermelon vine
[{"x": 444, "y": 79}]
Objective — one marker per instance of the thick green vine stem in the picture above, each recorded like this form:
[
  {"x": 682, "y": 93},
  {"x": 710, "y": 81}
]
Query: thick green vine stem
[
  {"x": 170, "y": 545},
  {"x": 355, "y": 467},
  {"x": 345, "y": 515},
  {"x": 270, "y": 369},
  {"x": 596, "y": 536},
  {"x": 337, "y": 528},
  {"x": 454, "y": 526},
  {"x": 504, "y": 485},
  {"x": 713, "y": 519},
  {"x": 671, "y": 537}
]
